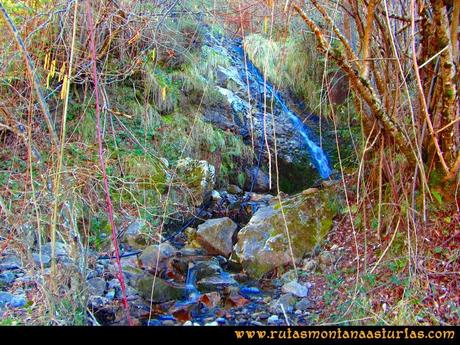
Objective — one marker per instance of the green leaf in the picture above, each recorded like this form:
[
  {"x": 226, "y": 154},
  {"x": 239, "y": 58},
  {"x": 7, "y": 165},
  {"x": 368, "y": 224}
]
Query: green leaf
[{"x": 437, "y": 196}]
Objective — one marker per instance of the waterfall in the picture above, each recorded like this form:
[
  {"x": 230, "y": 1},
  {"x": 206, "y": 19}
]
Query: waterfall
[{"x": 256, "y": 80}]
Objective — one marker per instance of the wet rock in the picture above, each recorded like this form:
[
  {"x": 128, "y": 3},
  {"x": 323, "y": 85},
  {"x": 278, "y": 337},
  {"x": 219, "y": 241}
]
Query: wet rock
[
  {"x": 6, "y": 278},
  {"x": 156, "y": 254},
  {"x": 216, "y": 283},
  {"x": 10, "y": 262},
  {"x": 257, "y": 181},
  {"x": 135, "y": 234},
  {"x": 263, "y": 244},
  {"x": 18, "y": 301},
  {"x": 215, "y": 236},
  {"x": 163, "y": 291},
  {"x": 41, "y": 259},
  {"x": 207, "y": 268},
  {"x": 199, "y": 178},
  {"x": 13, "y": 301},
  {"x": 5, "y": 298},
  {"x": 295, "y": 288},
  {"x": 110, "y": 295},
  {"x": 96, "y": 286}
]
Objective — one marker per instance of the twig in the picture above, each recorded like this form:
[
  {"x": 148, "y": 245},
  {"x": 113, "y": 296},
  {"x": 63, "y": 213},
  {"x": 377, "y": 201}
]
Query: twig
[
  {"x": 101, "y": 158},
  {"x": 31, "y": 69}
]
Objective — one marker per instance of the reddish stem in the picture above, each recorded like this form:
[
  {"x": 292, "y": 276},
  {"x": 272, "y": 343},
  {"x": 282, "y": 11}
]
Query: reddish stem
[{"x": 108, "y": 201}]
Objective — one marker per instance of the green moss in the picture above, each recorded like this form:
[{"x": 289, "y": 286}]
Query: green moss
[{"x": 146, "y": 171}]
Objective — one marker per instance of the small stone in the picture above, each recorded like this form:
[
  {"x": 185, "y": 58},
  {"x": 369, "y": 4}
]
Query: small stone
[
  {"x": 96, "y": 286},
  {"x": 188, "y": 323},
  {"x": 263, "y": 316},
  {"x": 287, "y": 301},
  {"x": 273, "y": 319},
  {"x": 303, "y": 304},
  {"x": 168, "y": 323},
  {"x": 213, "y": 323},
  {"x": 110, "y": 295},
  {"x": 289, "y": 276},
  {"x": 41, "y": 259},
  {"x": 234, "y": 189},
  {"x": 135, "y": 234},
  {"x": 61, "y": 249},
  {"x": 309, "y": 265},
  {"x": 92, "y": 274},
  {"x": 214, "y": 283},
  {"x": 326, "y": 258},
  {"x": 215, "y": 195},
  {"x": 101, "y": 308},
  {"x": 295, "y": 288},
  {"x": 97, "y": 301},
  {"x": 216, "y": 236},
  {"x": 113, "y": 284}
]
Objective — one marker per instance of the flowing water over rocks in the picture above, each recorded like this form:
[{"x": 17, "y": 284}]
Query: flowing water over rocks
[{"x": 260, "y": 113}]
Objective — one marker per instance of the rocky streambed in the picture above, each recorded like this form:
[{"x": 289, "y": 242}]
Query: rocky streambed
[{"x": 233, "y": 266}]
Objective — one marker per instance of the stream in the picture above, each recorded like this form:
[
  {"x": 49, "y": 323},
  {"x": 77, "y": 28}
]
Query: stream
[{"x": 215, "y": 289}]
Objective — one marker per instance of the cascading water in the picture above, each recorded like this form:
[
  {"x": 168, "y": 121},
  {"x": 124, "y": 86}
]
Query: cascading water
[
  {"x": 261, "y": 86},
  {"x": 191, "y": 291}
]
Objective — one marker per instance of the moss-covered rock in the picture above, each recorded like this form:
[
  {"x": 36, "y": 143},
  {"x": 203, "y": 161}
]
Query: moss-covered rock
[
  {"x": 263, "y": 243},
  {"x": 146, "y": 171},
  {"x": 162, "y": 292},
  {"x": 198, "y": 176}
]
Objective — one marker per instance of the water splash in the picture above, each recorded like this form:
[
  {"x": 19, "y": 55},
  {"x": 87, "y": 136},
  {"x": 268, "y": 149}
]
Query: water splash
[{"x": 191, "y": 291}]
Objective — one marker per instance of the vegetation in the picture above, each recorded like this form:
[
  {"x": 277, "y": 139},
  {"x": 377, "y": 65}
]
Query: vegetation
[{"x": 100, "y": 101}]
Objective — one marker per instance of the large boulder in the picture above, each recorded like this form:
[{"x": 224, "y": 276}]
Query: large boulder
[
  {"x": 198, "y": 177},
  {"x": 263, "y": 243},
  {"x": 215, "y": 236},
  {"x": 159, "y": 290}
]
